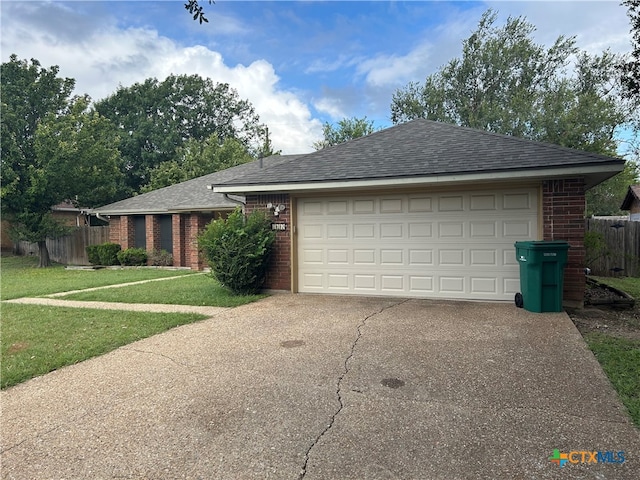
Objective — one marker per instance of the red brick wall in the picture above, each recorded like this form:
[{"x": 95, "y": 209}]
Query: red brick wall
[
  {"x": 121, "y": 231},
  {"x": 194, "y": 224},
  {"x": 279, "y": 275},
  {"x": 563, "y": 206},
  {"x": 178, "y": 223},
  {"x": 152, "y": 232},
  {"x": 114, "y": 229}
]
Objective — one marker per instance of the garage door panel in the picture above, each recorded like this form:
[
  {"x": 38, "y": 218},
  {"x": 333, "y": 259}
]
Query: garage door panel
[
  {"x": 420, "y": 230},
  {"x": 438, "y": 245},
  {"x": 517, "y": 228},
  {"x": 391, "y": 230},
  {"x": 483, "y": 202},
  {"x": 451, "y": 230},
  {"x": 420, "y": 257},
  {"x": 391, "y": 205},
  {"x": 483, "y": 257},
  {"x": 391, "y": 257},
  {"x": 484, "y": 285},
  {"x": 338, "y": 256},
  {"x": 485, "y": 229},
  {"x": 419, "y": 204},
  {"x": 364, "y": 256},
  {"x": 517, "y": 201},
  {"x": 364, "y": 231},
  {"x": 338, "y": 207},
  {"x": 364, "y": 207},
  {"x": 451, "y": 203}
]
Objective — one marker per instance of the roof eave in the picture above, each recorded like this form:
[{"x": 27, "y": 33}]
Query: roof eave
[
  {"x": 593, "y": 174},
  {"x": 629, "y": 198}
]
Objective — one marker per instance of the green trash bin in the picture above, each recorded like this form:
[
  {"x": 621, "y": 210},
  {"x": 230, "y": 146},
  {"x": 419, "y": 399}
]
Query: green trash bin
[{"x": 541, "y": 274}]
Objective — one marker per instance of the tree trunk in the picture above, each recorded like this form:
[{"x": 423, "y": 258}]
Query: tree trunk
[{"x": 45, "y": 261}]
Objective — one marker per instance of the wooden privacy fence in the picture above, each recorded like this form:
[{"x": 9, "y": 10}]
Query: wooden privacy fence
[
  {"x": 619, "y": 253},
  {"x": 70, "y": 249}
]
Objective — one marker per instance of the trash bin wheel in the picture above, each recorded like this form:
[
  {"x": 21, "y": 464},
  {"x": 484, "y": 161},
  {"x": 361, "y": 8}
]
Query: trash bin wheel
[{"x": 519, "y": 300}]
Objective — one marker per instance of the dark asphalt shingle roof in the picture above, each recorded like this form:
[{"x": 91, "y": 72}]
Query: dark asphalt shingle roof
[
  {"x": 633, "y": 194},
  {"x": 421, "y": 148},
  {"x": 190, "y": 195}
]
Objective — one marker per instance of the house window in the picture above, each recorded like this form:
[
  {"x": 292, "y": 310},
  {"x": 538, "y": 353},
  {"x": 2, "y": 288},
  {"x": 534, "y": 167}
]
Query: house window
[
  {"x": 166, "y": 233},
  {"x": 139, "y": 232}
]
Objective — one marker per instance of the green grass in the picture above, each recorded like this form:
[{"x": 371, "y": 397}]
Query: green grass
[
  {"x": 620, "y": 357},
  {"x": 192, "y": 290},
  {"x": 630, "y": 285},
  {"x": 20, "y": 277},
  {"x": 620, "y": 360},
  {"x": 39, "y": 339}
]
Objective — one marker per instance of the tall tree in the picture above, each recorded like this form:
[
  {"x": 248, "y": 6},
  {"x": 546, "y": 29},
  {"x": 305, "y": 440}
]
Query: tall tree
[
  {"x": 155, "y": 118},
  {"x": 630, "y": 69},
  {"x": 29, "y": 93},
  {"x": 506, "y": 83},
  {"x": 53, "y": 149},
  {"x": 196, "y": 158},
  {"x": 345, "y": 130}
]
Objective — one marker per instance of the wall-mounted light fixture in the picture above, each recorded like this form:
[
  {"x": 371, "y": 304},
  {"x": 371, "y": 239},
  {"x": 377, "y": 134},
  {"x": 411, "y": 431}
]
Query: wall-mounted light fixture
[{"x": 276, "y": 208}]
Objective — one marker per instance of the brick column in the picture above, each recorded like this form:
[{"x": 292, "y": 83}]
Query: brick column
[
  {"x": 179, "y": 243},
  {"x": 121, "y": 231},
  {"x": 195, "y": 224},
  {"x": 114, "y": 229},
  {"x": 279, "y": 273},
  {"x": 152, "y": 232},
  {"x": 563, "y": 207}
]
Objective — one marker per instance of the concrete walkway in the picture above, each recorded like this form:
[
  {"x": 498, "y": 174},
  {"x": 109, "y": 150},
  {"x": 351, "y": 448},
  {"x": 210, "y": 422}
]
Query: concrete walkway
[
  {"x": 320, "y": 387},
  {"x": 134, "y": 307}
]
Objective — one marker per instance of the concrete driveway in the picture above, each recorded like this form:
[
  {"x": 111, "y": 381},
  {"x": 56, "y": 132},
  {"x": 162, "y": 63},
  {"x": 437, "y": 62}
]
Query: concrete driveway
[{"x": 319, "y": 387}]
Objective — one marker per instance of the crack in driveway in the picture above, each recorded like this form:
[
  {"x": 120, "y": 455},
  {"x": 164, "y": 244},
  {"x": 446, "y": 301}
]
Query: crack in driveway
[{"x": 359, "y": 327}]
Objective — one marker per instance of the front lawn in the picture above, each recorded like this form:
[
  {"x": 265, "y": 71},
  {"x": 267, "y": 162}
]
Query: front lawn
[
  {"x": 620, "y": 360},
  {"x": 613, "y": 335},
  {"x": 193, "y": 290},
  {"x": 39, "y": 339},
  {"x": 20, "y": 277}
]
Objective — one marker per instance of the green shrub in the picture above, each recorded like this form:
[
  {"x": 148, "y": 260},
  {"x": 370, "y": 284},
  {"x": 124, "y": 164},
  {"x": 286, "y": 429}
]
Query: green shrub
[
  {"x": 93, "y": 255},
  {"x": 103, "y": 254},
  {"x": 133, "y": 257},
  {"x": 238, "y": 250},
  {"x": 160, "y": 258}
]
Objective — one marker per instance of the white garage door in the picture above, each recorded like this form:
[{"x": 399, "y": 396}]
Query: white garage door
[{"x": 440, "y": 245}]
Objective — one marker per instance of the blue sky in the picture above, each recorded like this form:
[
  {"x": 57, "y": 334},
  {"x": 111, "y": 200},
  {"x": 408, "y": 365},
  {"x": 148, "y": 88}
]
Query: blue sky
[{"x": 299, "y": 63}]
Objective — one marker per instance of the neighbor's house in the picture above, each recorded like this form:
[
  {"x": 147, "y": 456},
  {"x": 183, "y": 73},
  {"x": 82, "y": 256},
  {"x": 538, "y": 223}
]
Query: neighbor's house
[
  {"x": 171, "y": 218},
  {"x": 65, "y": 212},
  {"x": 70, "y": 215},
  {"x": 422, "y": 209},
  {"x": 631, "y": 202}
]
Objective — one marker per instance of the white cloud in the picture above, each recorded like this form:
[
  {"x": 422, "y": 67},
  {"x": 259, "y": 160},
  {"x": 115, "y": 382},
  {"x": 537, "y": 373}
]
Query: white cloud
[
  {"x": 396, "y": 70},
  {"x": 107, "y": 57},
  {"x": 332, "y": 106}
]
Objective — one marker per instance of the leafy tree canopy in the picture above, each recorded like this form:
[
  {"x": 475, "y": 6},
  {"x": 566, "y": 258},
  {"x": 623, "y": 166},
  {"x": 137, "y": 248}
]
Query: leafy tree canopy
[
  {"x": 29, "y": 93},
  {"x": 506, "y": 83},
  {"x": 345, "y": 130},
  {"x": 155, "y": 118},
  {"x": 53, "y": 149},
  {"x": 196, "y": 158},
  {"x": 630, "y": 69}
]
